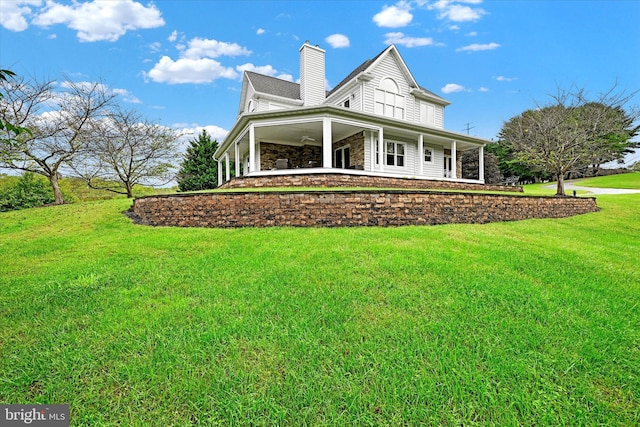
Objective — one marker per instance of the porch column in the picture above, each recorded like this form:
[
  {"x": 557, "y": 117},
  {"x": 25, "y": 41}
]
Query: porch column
[
  {"x": 237, "y": 153},
  {"x": 227, "y": 166},
  {"x": 252, "y": 149},
  {"x": 481, "y": 164},
  {"x": 381, "y": 149},
  {"x": 420, "y": 154},
  {"x": 219, "y": 173},
  {"x": 327, "y": 144},
  {"x": 454, "y": 160}
]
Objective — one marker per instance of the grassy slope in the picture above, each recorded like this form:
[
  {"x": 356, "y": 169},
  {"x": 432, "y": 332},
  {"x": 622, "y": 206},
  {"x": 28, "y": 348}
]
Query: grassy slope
[
  {"x": 533, "y": 322},
  {"x": 627, "y": 180}
]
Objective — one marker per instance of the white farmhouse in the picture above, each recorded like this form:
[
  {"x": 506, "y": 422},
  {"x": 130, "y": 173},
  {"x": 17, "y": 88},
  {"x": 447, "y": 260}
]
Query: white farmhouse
[{"x": 378, "y": 122}]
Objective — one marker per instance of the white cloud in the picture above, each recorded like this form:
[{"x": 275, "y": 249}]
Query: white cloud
[
  {"x": 207, "y": 48},
  {"x": 452, "y": 87},
  {"x": 189, "y": 70},
  {"x": 189, "y": 131},
  {"x": 338, "y": 41},
  {"x": 401, "y": 39},
  {"x": 260, "y": 31},
  {"x": 155, "y": 47},
  {"x": 101, "y": 20},
  {"x": 472, "y": 34},
  {"x": 506, "y": 79},
  {"x": 483, "y": 89},
  {"x": 127, "y": 96},
  {"x": 398, "y": 15},
  {"x": 452, "y": 10},
  {"x": 478, "y": 47},
  {"x": 196, "y": 63},
  {"x": 13, "y": 13},
  {"x": 173, "y": 36}
]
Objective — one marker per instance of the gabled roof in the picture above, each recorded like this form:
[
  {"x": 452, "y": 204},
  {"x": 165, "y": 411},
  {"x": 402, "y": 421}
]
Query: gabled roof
[
  {"x": 369, "y": 64},
  {"x": 273, "y": 86},
  {"x": 289, "y": 90}
]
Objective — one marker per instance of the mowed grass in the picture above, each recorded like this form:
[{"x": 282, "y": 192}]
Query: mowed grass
[
  {"x": 627, "y": 180},
  {"x": 523, "y": 323}
]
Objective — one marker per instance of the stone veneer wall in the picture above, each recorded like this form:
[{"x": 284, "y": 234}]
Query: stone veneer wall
[
  {"x": 347, "y": 180},
  {"x": 356, "y": 148},
  {"x": 348, "y": 208},
  {"x": 299, "y": 156}
]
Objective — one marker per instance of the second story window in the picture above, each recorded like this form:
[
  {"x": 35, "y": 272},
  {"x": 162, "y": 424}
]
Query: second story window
[
  {"x": 346, "y": 103},
  {"x": 388, "y": 101}
]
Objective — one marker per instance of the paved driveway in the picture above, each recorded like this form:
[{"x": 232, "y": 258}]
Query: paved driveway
[{"x": 569, "y": 186}]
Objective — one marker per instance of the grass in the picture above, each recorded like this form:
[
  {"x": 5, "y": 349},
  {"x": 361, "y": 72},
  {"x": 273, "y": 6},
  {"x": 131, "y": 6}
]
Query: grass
[
  {"x": 627, "y": 180},
  {"x": 523, "y": 323}
]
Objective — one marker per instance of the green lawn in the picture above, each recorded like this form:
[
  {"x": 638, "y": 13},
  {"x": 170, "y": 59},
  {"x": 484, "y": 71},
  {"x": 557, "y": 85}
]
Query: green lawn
[
  {"x": 523, "y": 323},
  {"x": 627, "y": 180}
]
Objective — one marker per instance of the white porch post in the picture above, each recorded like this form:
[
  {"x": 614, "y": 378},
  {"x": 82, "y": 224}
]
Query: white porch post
[
  {"x": 454, "y": 160},
  {"x": 327, "y": 144},
  {"x": 220, "y": 173},
  {"x": 381, "y": 149},
  {"x": 227, "y": 166},
  {"x": 420, "y": 154},
  {"x": 481, "y": 164},
  {"x": 237, "y": 154},
  {"x": 252, "y": 149}
]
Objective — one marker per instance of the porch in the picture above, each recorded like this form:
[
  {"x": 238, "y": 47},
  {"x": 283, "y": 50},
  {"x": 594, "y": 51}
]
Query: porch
[{"x": 272, "y": 143}]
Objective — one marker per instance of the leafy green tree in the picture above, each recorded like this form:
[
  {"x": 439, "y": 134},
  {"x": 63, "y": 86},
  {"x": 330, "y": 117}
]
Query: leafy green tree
[
  {"x": 9, "y": 130},
  {"x": 199, "y": 170},
  {"x": 29, "y": 191},
  {"x": 471, "y": 166},
  {"x": 571, "y": 132}
]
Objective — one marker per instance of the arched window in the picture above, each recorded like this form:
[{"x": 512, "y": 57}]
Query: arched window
[
  {"x": 388, "y": 101},
  {"x": 250, "y": 107}
]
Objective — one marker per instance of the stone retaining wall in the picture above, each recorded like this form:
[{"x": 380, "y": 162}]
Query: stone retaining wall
[
  {"x": 348, "y": 208},
  {"x": 348, "y": 180}
]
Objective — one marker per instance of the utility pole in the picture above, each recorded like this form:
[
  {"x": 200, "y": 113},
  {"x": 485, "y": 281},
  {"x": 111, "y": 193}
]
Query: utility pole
[{"x": 469, "y": 127}]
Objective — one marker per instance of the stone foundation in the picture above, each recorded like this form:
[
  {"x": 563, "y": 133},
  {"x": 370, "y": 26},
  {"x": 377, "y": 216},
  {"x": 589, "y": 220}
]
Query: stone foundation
[
  {"x": 363, "y": 181},
  {"x": 348, "y": 208}
]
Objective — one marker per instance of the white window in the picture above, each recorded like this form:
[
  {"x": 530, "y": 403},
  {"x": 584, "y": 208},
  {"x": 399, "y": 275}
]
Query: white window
[
  {"x": 427, "y": 113},
  {"x": 388, "y": 101},
  {"x": 342, "y": 157},
  {"x": 394, "y": 153},
  {"x": 428, "y": 155}
]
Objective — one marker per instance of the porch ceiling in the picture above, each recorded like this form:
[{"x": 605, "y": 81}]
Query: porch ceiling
[{"x": 303, "y": 133}]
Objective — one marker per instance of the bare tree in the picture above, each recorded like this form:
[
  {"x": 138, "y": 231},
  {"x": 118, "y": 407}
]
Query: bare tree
[
  {"x": 58, "y": 122},
  {"x": 127, "y": 150},
  {"x": 571, "y": 132}
]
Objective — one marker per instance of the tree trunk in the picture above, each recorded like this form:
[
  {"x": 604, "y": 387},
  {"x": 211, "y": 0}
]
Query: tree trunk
[
  {"x": 57, "y": 193},
  {"x": 560, "y": 187},
  {"x": 129, "y": 190}
]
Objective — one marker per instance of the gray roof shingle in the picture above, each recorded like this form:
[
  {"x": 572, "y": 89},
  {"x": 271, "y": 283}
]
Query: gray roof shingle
[{"x": 274, "y": 86}]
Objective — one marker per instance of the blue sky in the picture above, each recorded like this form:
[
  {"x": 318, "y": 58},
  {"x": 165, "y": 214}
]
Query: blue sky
[{"x": 181, "y": 62}]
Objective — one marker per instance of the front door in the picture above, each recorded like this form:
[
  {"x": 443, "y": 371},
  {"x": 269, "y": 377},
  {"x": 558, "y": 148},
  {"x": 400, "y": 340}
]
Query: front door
[
  {"x": 447, "y": 166},
  {"x": 342, "y": 157}
]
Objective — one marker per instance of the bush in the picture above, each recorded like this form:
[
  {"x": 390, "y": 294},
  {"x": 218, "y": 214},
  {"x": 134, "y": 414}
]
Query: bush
[{"x": 27, "y": 192}]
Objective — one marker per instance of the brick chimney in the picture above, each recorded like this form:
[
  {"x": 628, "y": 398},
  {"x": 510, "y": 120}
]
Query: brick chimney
[{"x": 312, "y": 78}]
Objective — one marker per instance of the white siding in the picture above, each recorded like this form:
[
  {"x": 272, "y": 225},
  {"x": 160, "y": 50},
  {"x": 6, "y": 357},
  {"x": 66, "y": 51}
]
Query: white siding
[
  {"x": 433, "y": 169},
  {"x": 312, "y": 76},
  {"x": 388, "y": 68},
  {"x": 439, "y": 123}
]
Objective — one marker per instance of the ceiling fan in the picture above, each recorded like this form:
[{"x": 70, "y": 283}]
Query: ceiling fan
[{"x": 306, "y": 138}]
